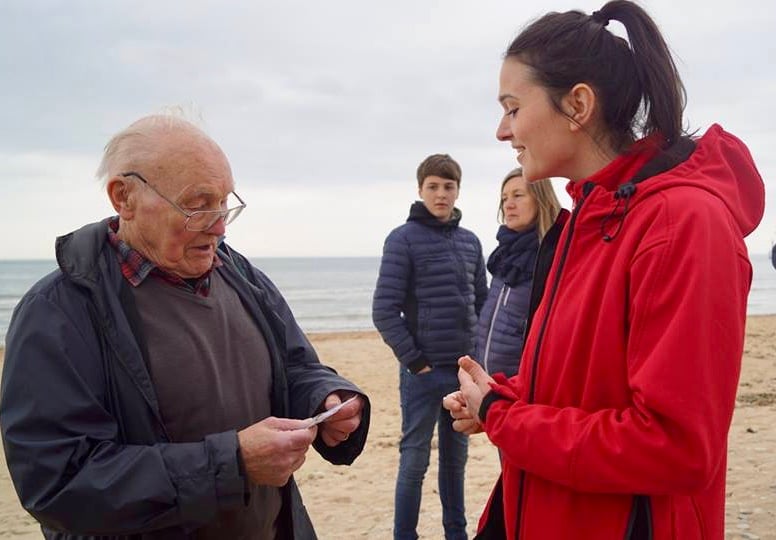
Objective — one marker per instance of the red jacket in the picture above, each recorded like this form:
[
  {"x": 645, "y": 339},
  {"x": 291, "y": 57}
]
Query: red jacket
[{"x": 616, "y": 426}]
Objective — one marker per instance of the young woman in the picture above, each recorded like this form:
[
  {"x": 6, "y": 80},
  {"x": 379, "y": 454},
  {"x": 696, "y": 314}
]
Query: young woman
[
  {"x": 531, "y": 222},
  {"x": 616, "y": 425}
]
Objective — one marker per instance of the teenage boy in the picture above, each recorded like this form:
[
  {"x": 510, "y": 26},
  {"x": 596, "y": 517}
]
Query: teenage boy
[{"x": 429, "y": 292}]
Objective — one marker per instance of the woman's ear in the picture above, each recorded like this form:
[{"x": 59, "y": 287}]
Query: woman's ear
[
  {"x": 122, "y": 197},
  {"x": 580, "y": 106}
]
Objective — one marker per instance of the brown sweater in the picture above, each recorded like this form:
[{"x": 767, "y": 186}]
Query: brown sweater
[{"x": 212, "y": 373}]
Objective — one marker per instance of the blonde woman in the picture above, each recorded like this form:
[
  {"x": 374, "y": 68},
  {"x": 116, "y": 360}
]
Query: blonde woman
[{"x": 531, "y": 219}]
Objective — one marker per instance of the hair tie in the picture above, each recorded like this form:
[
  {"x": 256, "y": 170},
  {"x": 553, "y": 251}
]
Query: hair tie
[{"x": 600, "y": 18}]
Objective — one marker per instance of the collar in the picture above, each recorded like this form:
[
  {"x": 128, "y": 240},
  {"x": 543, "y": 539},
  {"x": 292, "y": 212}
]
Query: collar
[
  {"x": 136, "y": 267},
  {"x": 620, "y": 169},
  {"x": 419, "y": 213}
]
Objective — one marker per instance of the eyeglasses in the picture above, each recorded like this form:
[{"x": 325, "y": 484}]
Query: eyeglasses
[{"x": 198, "y": 220}]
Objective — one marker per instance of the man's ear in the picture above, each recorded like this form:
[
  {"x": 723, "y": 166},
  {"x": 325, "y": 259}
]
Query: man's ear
[
  {"x": 122, "y": 197},
  {"x": 580, "y": 105}
]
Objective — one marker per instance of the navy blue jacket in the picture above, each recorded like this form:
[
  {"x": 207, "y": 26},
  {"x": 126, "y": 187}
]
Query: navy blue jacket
[
  {"x": 501, "y": 326},
  {"x": 84, "y": 440},
  {"x": 507, "y": 312},
  {"x": 429, "y": 291}
]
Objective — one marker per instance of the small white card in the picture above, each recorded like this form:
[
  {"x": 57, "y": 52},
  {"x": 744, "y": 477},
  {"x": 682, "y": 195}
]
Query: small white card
[{"x": 320, "y": 417}]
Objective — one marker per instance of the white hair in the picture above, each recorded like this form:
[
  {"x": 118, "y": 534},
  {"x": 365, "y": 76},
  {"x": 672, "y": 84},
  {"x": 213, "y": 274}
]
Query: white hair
[{"x": 137, "y": 144}]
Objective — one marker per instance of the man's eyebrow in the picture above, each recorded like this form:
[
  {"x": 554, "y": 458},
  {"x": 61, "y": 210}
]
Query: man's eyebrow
[{"x": 193, "y": 192}]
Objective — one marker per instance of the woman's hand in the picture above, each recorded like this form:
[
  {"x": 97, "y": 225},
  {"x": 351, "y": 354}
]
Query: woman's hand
[
  {"x": 475, "y": 383},
  {"x": 463, "y": 422}
]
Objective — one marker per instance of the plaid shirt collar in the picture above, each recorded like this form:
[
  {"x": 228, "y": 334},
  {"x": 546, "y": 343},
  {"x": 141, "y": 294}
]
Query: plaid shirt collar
[{"x": 136, "y": 268}]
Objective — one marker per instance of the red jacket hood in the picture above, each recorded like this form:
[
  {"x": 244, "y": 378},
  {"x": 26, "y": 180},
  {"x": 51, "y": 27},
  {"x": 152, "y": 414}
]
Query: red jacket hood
[{"x": 720, "y": 164}]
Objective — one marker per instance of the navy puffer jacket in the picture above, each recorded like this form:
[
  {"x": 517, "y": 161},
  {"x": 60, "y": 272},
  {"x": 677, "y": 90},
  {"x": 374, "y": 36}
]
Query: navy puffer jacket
[
  {"x": 430, "y": 290},
  {"x": 502, "y": 325},
  {"x": 513, "y": 296}
]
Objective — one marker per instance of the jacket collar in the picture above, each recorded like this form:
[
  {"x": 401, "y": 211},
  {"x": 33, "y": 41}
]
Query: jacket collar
[{"x": 420, "y": 214}]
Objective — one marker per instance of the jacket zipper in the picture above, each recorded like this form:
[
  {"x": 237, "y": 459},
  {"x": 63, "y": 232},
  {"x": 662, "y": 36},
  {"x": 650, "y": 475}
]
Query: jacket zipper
[
  {"x": 530, "y": 313},
  {"x": 493, "y": 323},
  {"x": 587, "y": 188}
]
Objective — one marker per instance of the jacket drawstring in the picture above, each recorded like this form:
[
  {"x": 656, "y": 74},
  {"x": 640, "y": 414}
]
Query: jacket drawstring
[
  {"x": 624, "y": 192},
  {"x": 677, "y": 153}
]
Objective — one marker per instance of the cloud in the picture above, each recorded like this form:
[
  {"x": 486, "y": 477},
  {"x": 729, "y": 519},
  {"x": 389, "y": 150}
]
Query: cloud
[{"x": 337, "y": 99}]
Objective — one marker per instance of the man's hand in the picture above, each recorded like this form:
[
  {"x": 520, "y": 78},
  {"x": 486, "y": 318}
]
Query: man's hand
[
  {"x": 463, "y": 422},
  {"x": 475, "y": 383},
  {"x": 274, "y": 448},
  {"x": 338, "y": 427}
]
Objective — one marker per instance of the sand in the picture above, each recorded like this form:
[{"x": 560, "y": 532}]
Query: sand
[{"x": 357, "y": 501}]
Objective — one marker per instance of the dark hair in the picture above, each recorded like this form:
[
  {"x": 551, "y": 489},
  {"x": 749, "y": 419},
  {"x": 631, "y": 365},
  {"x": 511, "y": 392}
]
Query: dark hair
[
  {"x": 637, "y": 84},
  {"x": 441, "y": 165}
]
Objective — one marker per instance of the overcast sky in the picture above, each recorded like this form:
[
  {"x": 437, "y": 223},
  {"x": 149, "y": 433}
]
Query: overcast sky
[{"x": 324, "y": 109}]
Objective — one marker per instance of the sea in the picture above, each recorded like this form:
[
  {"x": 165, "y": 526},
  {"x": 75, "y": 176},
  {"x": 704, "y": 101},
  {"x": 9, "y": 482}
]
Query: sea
[{"x": 328, "y": 294}]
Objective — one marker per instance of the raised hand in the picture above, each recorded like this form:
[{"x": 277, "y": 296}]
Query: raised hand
[
  {"x": 339, "y": 426},
  {"x": 475, "y": 383},
  {"x": 463, "y": 422}
]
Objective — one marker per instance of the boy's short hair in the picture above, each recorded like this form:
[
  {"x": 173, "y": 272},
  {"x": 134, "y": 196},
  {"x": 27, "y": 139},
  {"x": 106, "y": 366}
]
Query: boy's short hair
[{"x": 441, "y": 165}]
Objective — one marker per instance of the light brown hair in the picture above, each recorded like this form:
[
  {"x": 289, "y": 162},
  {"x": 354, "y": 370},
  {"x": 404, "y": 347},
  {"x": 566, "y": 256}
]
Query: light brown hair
[{"x": 547, "y": 202}]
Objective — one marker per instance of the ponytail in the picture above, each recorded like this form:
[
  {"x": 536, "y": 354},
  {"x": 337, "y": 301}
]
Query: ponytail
[{"x": 636, "y": 81}]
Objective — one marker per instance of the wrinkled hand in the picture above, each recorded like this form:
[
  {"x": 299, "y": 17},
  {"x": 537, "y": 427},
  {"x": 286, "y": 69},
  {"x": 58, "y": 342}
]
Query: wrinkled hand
[
  {"x": 338, "y": 428},
  {"x": 463, "y": 422},
  {"x": 274, "y": 448},
  {"x": 475, "y": 383}
]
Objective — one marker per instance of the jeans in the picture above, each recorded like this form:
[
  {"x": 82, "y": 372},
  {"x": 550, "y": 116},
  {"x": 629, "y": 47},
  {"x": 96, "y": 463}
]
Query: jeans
[{"x": 421, "y": 408}]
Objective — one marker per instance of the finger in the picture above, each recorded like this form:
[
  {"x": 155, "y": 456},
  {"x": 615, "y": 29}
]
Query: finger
[
  {"x": 332, "y": 400},
  {"x": 467, "y": 426},
  {"x": 347, "y": 425},
  {"x": 464, "y": 378},
  {"x": 463, "y": 414},
  {"x": 298, "y": 462},
  {"x": 351, "y": 411},
  {"x": 450, "y": 405},
  {"x": 454, "y": 401},
  {"x": 458, "y": 396},
  {"x": 287, "y": 424},
  {"x": 333, "y": 438},
  {"x": 461, "y": 425},
  {"x": 474, "y": 370},
  {"x": 339, "y": 430},
  {"x": 299, "y": 439},
  {"x": 473, "y": 429}
]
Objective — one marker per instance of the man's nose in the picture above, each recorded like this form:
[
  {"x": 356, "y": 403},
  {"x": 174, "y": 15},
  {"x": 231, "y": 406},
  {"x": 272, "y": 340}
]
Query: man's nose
[{"x": 218, "y": 228}]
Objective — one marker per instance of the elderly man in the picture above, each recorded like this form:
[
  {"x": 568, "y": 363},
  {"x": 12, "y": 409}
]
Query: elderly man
[{"x": 157, "y": 385}]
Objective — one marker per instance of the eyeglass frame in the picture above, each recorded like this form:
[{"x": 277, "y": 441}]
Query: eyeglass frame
[{"x": 221, "y": 214}]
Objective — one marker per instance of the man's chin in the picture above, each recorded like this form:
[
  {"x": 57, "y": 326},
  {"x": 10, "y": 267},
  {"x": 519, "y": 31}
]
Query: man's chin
[{"x": 195, "y": 268}]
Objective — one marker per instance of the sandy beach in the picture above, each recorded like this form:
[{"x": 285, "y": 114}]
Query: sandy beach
[{"x": 357, "y": 501}]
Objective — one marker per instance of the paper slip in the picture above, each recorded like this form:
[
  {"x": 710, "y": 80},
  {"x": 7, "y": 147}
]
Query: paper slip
[{"x": 318, "y": 418}]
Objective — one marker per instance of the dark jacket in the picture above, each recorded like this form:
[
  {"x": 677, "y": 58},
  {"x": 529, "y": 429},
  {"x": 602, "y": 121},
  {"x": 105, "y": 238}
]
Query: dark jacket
[
  {"x": 429, "y": 291},
  {"x": 505, "y": 316},
  {"x": 84, "y": 441}
]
